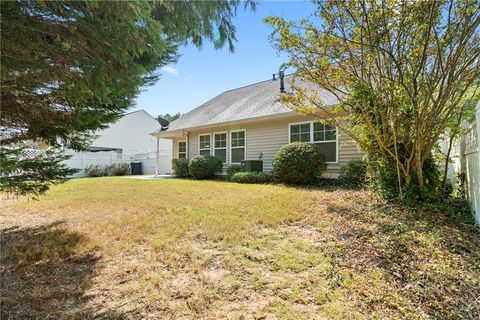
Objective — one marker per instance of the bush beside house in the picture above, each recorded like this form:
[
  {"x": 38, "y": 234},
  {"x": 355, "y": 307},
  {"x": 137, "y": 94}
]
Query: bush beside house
[
  {"x": 204, "y": 167},
  {"x": 353, "y": 173},
  {"x": 180, "y": 168},
  {"x": 233, "y": 169},
  {"x": 252, "y": 177},
  {"x": 298, "y": 163}
]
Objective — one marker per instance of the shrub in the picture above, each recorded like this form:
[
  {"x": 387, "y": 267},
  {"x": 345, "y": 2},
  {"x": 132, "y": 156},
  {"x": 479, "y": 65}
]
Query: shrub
[
  {"x": 204, "y": 167},
  {"x": 96, "y": 170},
  {"x": 180, "y": 168},
  {"x": 298, "y": 163},
  {"x": 232, "y": 169},
  {"x": 252, "y": 177},
  {"x": 456, "y": 205},
  {"x": 382, "y": 178},
  {"x": 353, "y": 173},
  {"x": 120, "y": 169}
]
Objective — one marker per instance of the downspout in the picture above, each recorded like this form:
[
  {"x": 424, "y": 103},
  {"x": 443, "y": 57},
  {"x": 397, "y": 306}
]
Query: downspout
[{"x": 187, "y": 146}]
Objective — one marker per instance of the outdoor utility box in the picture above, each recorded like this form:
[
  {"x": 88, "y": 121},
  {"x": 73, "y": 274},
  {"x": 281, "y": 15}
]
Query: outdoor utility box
[
  {"x": 136, "y": 168},
  {"x": 252, "y": 165}
]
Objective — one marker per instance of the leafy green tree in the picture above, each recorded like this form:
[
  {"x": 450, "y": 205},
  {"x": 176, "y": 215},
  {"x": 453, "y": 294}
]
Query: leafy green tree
[
  {"x": 400, "y": 69},
  {"x": 71, "y": 67}
]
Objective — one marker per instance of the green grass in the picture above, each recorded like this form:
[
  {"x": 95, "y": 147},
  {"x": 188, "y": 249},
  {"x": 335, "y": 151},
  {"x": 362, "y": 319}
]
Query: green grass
[{"x": 126, "y": 248}]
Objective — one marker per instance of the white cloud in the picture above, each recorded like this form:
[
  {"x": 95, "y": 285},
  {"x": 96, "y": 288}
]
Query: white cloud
[{"x": 174, "y": 72}]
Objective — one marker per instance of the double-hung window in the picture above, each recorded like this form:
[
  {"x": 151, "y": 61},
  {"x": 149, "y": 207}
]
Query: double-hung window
[
  {"x": 325, "y": 137},
  {"x": 220, "y": 146},
  {"x": 237, "y": 146},
  {"x": 182, "y": 149},
  {"x": 321, "y": 135},
  {"x": 204, "y": 144}
]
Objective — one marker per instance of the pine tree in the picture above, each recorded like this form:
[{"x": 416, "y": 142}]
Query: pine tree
[{"x": 71, "y": 67}]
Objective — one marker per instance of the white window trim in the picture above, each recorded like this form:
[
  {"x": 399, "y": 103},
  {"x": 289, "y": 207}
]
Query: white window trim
[
  {"x": 226, "y": 145},
  {"x": 178, "y": 149},
  {"x": 296, "y": 123},
  {"x": 244, "y": 147},
  {"x": 200, "y": 149},
  {"x": 311, "y": 137}
]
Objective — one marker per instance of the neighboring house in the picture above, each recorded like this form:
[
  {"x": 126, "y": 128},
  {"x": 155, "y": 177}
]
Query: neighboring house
[
  {"x": 131, "y": 135},
  {"x": 129, "y": 140},
  {"x": 248, "y": 123}
]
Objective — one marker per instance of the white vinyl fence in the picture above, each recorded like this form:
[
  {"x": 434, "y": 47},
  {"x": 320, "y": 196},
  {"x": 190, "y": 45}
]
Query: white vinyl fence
[
  {"x": 81, "y": 160},
  {"x": 470, "y": 164},
  {"x": 466, "y": 162}
]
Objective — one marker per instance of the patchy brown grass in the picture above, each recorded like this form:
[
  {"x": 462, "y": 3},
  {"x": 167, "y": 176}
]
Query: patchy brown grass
[{"x": 120, "y": 248}]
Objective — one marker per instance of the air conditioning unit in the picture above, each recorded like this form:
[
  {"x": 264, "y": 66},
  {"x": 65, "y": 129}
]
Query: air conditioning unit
[{"x": 252, "y": 165}]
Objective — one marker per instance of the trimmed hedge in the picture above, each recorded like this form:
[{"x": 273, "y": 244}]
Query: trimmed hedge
[
  {"x": 180, "y": 168},
  {"x": 353, "y": 173},
  {"x": 298, "y": 163},
  {"x": 252, "y": 177},
  {"x": 232, "y": 169},
  {"x": 120, "y": 168},
  {"x": 204, "y": 167}
]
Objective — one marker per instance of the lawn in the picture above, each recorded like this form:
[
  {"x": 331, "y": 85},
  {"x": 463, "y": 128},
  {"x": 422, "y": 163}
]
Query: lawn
[{"x": 118, "y": 248}]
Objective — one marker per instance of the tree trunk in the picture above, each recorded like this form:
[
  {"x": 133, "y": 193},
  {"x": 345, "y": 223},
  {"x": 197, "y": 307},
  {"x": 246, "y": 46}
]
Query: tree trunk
[
  {"x": 445, "y": 169},
  {"x": 408, "y": 172},
  {"x": 408, "y": 179},
  {"x": 397, "y": 162},
  {"x": 419, "y": 168}
]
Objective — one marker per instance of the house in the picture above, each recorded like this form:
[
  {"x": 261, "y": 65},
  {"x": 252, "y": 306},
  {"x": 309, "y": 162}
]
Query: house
[
  {"x": 128, "y": 139},
  {"x": 131, "y": 135},
  {"x": 248, "y": 123}
]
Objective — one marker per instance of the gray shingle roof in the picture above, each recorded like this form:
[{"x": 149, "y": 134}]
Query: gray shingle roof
[{"x": 252, "y": 101}]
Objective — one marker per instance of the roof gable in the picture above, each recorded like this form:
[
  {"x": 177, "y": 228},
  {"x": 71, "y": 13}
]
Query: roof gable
[{"x": 252, "y": 101}]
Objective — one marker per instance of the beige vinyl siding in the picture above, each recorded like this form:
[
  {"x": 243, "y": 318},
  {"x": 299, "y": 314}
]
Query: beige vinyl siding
[
  {"x": 175, "y": 148},
  {"x": 193, "y": 145},
  {"x": 264, "y": 138},
  {"x": 263, "y": 141}
]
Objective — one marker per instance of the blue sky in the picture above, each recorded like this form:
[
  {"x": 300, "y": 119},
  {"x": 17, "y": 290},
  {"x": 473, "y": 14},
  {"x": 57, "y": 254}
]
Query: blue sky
[{"x": 199, "y": 75}]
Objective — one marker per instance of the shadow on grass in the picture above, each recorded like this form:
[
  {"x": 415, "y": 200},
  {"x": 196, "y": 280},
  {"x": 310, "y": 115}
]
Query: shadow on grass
[
  {"x": 43, "y": 277},
  {"x": 427, "y": 256}
]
